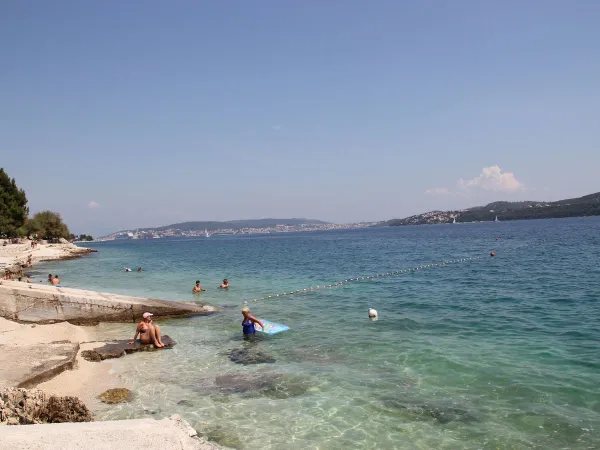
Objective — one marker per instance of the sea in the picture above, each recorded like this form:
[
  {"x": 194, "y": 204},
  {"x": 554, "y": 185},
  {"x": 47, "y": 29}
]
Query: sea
[{"x": 469, "y": 351}]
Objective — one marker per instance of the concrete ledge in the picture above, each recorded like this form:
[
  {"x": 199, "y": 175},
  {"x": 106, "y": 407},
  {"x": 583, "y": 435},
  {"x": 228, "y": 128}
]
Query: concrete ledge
[
  {"x": 29, "y": 303},
  {"x": 167, "y": 434}
]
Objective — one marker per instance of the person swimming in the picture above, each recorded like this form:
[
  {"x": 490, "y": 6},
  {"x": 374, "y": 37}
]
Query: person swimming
[
  {"x": 198, "y": 287},
  {"x": 225, "y": 284},
  {"x": 249, "y": 321},
  {"x": 55, "y": 280}
]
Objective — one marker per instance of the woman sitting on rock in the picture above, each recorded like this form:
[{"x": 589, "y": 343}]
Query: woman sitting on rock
[{"x": 149, "y": 333}]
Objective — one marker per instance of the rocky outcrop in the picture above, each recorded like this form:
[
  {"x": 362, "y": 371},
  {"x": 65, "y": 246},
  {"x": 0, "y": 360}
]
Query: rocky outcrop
[
  {"x": 34, "y": 364},
  {"x": 24, "y": 302},
  {"x": 22, "y": 407},
  {"x": 119, "y": 348}
]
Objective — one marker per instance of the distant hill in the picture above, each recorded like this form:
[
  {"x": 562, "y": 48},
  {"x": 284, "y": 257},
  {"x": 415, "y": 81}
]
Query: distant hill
[
  {"x": 588, "y": 205},
  {"x": 233, "y": 224}
]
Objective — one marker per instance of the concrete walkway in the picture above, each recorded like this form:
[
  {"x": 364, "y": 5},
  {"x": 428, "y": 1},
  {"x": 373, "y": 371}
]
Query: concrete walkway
[{"x": 173, "y": 433}]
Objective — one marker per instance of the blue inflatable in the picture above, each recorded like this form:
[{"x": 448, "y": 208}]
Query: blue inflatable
[{"x": 271, "y": 327}]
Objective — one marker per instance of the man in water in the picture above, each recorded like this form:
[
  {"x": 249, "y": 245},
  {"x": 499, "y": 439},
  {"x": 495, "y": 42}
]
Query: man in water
[
  {"x": 139, "y": 269},
  {"x": 55, "y": 280},
  {"x": 225, "y": 284},
  {"x": 198, "y": 287},
  {"x": 249, "y": 321}
]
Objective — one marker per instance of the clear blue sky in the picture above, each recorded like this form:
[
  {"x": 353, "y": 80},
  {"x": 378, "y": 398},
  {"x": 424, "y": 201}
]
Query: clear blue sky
[{"x": 162, "y": 112}]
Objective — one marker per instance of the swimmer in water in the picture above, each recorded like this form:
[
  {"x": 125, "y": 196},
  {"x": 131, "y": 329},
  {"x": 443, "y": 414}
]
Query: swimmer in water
[
  {"x": 198, "y": 287},
  {"x": 249, "y": 321},
  {"x": 225, "y": 284},
  {"x": 127, "y": 269},
  {"x": 55, "y": 280}
]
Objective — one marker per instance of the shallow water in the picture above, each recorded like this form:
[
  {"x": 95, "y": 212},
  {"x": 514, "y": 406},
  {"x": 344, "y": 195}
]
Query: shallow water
[{"x": 496, "y": 352}]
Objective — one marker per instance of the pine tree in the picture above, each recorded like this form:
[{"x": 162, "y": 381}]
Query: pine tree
[{"x": 13, "y": 206}]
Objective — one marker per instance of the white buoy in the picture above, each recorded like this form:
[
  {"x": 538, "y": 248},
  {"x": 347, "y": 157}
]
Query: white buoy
[{"x": 372, "y": 313}]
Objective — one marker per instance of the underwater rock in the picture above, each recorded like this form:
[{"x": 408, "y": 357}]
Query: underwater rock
[
  {"x": 441, "y": 414},
  {"x": 245, "y": 382},
  {"x": 222, "y": 436},
  {"x": 116, "y": 395},
  {"x": 248, "y": 356}
]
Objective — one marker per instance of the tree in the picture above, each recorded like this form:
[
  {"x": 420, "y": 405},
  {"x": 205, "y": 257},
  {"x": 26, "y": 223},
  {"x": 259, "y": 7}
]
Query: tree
[
  {"x": 48, "y": 225},
  {"x": 13, "y": 206}
]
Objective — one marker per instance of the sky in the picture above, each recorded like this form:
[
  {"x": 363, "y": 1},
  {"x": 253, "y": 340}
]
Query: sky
[{"x": 125, "y": 114}]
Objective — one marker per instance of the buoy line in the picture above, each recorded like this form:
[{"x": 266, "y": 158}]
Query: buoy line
[
  {"x": 367, "y": 277},
  {"x": 380, "y": 275}
]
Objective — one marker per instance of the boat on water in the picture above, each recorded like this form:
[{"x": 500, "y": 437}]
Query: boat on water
[
  {"x": 454, "y": 220},
  {"x": 206, "y": 233},
  {"x": 496, "y": 219}
]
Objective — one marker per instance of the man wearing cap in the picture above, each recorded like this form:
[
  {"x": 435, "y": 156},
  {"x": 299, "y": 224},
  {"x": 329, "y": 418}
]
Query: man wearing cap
[{"x": 148, "y": 332}]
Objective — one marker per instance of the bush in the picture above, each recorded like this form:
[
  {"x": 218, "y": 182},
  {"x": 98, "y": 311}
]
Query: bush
[{"x": 47, "y": 225}]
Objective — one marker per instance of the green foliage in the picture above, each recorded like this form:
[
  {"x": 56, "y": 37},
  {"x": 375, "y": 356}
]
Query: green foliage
[
  {"x": 48, "y": 225},
  {"x": 84, "y": 237},
  {"x": 13, "y": 206}
]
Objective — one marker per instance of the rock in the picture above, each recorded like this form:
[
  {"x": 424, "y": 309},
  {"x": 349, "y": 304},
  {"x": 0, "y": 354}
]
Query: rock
[
  {"x": 248, "y": 356},
  {"x": 116, "y": 395},
  {"x": 30, "y": 407},
  {"x": 116, "y": 349},
  {"x": 33, "y": 364}
]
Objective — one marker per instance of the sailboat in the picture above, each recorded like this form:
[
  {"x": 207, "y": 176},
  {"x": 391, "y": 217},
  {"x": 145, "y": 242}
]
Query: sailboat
[
  {"x": 496, "y": 220},
  {"x": 206, "y": 233},
  {"x": 454, "y": 220}
]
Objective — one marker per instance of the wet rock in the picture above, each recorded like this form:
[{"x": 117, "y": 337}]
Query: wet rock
[
  {"x": 116, "y": 349},
  {"x": 23, "y": 407},
  {"x": 116, "y": 395},
  {"x": 248, "y": 356}
]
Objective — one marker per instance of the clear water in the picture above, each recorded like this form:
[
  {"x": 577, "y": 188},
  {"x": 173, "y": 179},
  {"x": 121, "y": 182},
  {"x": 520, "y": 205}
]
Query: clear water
[{"x": 499, "y": 352}]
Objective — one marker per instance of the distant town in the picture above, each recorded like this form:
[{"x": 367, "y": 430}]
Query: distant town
[{"x": 149, "y": 233}]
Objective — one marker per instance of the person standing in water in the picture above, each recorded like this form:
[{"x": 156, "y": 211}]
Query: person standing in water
[
  {"x": 198, "y": 287},
  {"x": 225, "y": 284},
  {"x": 249, "y": 321}
]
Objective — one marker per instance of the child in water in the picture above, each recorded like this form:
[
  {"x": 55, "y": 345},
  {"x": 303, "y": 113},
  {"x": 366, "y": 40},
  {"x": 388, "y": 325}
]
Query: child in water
[{"x": 249, "y": 321}]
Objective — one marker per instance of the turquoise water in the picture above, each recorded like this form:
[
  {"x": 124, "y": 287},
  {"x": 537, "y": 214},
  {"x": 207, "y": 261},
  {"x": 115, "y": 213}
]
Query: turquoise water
[{"x": 499, "y": 352}]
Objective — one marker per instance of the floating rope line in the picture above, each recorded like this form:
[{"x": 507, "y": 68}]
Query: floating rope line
[{"x": 368, "y": 277}]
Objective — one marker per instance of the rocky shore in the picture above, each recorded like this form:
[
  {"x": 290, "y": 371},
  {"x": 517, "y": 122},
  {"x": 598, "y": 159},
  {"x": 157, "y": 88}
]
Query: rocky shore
[{"x": 16, "y": 258}]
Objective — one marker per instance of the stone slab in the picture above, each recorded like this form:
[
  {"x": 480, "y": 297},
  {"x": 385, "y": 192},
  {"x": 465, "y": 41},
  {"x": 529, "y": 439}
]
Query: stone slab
[
  {"x": 32, "y": 303},
  {"x": 167, "y": 434},
  {"x": 34, "y": 364},
  {"x": 116, "y": 349}
]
